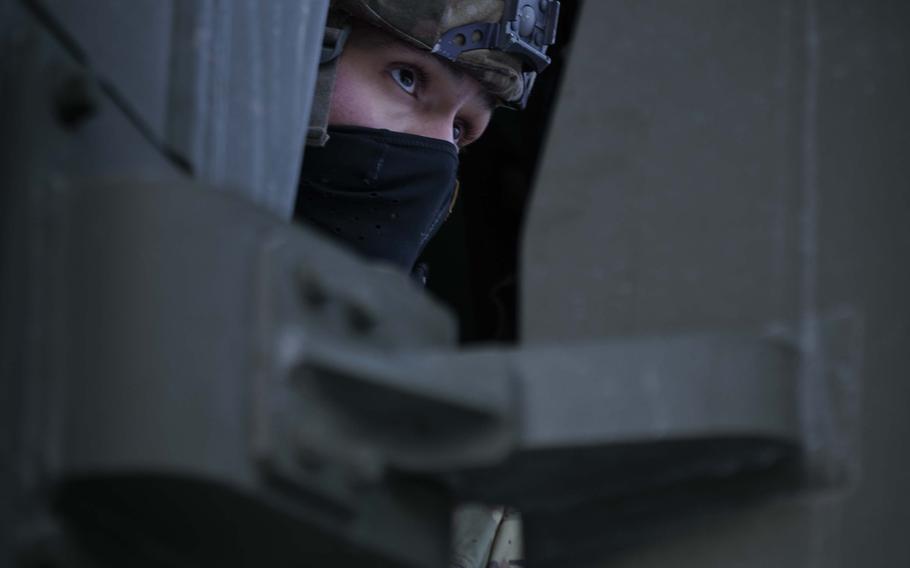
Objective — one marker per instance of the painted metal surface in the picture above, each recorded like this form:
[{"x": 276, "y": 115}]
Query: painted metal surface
[
  {"x": 730, "y": 166},
  {"x": 713, "y": 281},
  {"x": 220, "y": 82}
]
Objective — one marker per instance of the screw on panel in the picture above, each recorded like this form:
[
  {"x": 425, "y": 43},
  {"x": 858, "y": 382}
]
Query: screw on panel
[
  {"x": 360, "y": 320},
  {"x": 313, "y": 293},
  {"x": 76, "y": 101}
]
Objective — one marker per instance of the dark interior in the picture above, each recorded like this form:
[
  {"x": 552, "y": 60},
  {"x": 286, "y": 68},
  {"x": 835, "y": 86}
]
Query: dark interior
[{"x": 473, "y": 260}]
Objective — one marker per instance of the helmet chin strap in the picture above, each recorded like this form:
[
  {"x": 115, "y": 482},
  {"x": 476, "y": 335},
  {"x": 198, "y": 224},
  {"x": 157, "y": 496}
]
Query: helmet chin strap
[{"x": 337, "y": 30}]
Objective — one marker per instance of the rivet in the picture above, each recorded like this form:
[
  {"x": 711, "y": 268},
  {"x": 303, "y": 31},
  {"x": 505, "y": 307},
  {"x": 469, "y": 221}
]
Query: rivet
[
  {"x": 76, "y": 101},
  {"x": 359, "y": 320},
  {"x": 313, "y": 294}
]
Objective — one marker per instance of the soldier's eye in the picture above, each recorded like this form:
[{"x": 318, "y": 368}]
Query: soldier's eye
[
  {"x": 463, "y": 132},
  {"x": 406, "y": 79}
]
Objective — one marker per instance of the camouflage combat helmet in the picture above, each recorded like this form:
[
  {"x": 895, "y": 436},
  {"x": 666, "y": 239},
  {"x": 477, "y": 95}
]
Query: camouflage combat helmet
[{"x": 501, "y": 43}]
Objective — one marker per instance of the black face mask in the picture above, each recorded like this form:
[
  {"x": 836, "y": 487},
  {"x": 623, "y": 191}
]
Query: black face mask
[{"x": 384, "y": 193}]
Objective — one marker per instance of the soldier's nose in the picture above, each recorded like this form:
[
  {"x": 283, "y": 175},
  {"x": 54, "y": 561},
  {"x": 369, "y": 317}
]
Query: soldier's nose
[{"x": 441, "y": 129}]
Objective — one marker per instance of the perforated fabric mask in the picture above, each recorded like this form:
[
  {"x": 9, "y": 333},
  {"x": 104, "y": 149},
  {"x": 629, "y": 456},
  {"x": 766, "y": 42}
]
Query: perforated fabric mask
[{"x": 383, "y": 193}]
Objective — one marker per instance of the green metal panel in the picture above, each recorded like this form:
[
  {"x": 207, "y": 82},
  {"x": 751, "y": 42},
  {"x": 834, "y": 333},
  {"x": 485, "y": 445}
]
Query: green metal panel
[
  {"x": 221, "y": 83},
  {"x": 742, "y": 165}
]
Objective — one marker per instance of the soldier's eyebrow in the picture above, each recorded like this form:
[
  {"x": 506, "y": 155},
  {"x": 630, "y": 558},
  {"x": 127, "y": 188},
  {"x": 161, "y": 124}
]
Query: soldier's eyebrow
[
  {"x": 377, "y": 39},
  {"x": 458, "y": 75}
]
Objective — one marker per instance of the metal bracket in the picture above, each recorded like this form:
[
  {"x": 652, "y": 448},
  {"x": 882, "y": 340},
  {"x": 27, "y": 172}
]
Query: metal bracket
[
  {"x": 526, "y": 29},
  {"x": 333, "y": 42}
]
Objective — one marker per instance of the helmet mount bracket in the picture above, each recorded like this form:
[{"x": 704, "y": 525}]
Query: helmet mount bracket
[{"x": 526, "y": 29}]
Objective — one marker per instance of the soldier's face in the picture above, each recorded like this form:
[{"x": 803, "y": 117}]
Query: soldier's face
[{"x": 384, "y": 83}]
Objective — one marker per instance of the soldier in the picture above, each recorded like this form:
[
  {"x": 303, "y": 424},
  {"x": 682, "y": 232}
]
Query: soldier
[{"x": 404, "y": 84}]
